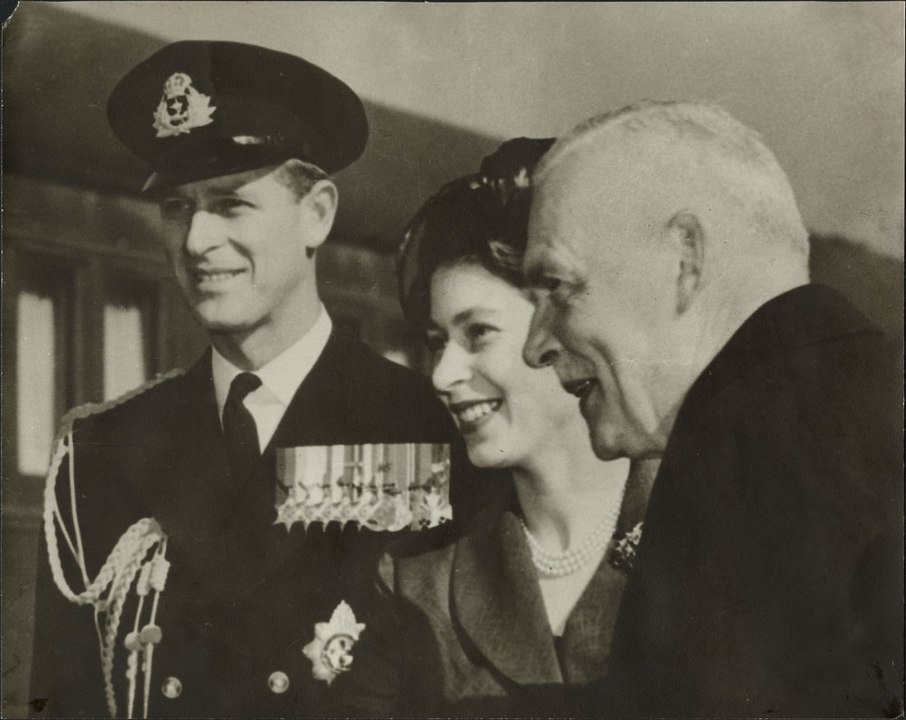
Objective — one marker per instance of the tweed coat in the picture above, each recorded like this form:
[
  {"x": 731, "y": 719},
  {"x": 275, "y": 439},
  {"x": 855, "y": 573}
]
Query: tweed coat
[
  {"x": 243, "y": 594},
  {"x": 769, "y": 579},
  {"x": 471, "y": 637}
]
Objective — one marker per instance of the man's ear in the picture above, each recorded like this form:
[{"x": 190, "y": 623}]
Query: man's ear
[
  {"x": 688, "y": 236},
  {"x": 320, "y": 207}
]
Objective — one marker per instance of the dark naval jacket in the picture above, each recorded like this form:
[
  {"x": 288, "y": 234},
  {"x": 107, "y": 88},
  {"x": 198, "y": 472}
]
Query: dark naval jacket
[{"x": 243, "y": 594}]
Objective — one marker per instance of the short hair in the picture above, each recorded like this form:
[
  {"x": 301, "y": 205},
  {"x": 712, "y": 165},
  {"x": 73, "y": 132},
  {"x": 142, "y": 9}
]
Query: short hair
[
  {"x": 763, "y": 187},
  {"x": 479, "y": 219},
  {"x": 299, "y": 177}
]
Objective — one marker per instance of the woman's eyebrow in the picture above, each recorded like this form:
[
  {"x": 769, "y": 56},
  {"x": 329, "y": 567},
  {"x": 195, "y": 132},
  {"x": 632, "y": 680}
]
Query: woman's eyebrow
[
  {"x": 461, "y": 318},
  {"x": 476, "y": 311}
]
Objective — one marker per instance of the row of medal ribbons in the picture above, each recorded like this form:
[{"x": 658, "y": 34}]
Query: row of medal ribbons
[{"x": 383, "y": 487}]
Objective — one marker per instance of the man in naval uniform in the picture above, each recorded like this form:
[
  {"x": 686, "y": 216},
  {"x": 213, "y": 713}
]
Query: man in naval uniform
[{"x": 180, "y": 476}]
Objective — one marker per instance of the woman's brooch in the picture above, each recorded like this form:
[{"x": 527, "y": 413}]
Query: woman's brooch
[{"x": 622, "y": 556}]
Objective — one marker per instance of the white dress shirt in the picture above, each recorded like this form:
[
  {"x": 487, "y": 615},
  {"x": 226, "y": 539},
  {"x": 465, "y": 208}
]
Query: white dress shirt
[{"x": 280, "y": 378}]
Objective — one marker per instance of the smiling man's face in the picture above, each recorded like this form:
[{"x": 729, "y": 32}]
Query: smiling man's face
[
  {"x": 604, "y": 285},
  {"x": 237, "y": 245}
]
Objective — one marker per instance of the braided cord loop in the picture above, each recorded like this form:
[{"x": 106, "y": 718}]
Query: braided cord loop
[{"x": 118, "y": 573}]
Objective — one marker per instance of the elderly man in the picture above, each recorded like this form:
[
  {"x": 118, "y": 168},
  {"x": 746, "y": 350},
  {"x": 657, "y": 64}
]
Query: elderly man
[
  {"x": 668, "y": 262},
  {"x": 253, "y": 619}
]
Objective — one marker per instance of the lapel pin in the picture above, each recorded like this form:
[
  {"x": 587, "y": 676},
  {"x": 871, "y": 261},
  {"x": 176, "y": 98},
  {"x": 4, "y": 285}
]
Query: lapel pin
[{"x": 622, "y": 556}]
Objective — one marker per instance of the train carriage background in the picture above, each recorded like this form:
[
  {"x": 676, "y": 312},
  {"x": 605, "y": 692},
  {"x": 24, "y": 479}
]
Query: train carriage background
[{"x": 89, "y": 311}]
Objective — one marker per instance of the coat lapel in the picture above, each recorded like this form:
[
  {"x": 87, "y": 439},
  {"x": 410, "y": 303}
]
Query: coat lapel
[
  {"x": 320, "y": 412},
  {"x": 311, "y": 418},
  {"x": 181, "y": 468},
  {"x": 220, "y": 527},
  {"x": 497, "y": 601},
  {"x": 589, "y": 629}
]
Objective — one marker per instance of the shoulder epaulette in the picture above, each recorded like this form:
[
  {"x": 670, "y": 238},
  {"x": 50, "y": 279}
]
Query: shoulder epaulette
[{"x": 80, "y": 412}]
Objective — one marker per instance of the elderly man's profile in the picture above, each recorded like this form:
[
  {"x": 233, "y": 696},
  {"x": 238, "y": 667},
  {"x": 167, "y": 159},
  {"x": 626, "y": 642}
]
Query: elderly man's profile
[{"x": 669, "y": 266}]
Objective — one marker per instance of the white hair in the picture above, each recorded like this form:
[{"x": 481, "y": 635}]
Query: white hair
[{"x": 759, "y": 185}]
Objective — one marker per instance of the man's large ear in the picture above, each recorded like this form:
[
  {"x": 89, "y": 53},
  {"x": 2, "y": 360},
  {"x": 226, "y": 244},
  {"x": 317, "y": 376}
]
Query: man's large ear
[
  {"x": 688, "y": 235},
  {"x": 320, "y": 206}
]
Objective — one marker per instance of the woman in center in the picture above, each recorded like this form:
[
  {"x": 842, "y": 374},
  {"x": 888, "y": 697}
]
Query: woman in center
[{"x": 512, "y": 616}]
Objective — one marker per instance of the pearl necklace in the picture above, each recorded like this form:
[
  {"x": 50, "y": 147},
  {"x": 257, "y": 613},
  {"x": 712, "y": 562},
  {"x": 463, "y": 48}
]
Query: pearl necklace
[{"x": 569, "y": 561}]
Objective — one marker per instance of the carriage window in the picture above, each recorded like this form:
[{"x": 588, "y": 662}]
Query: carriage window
[
  {"x": 36, "y": 401},
  {"x": 42, "y": 302},
  {"x": 129, "y": 312}
]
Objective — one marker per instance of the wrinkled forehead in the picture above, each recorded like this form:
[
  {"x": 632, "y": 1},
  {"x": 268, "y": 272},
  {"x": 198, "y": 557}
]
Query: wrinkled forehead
[{"x": 597, "y": 197}]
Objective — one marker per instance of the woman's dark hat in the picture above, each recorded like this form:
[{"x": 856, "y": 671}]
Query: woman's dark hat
[
  {"x": 473, "y": 216},
  {"x": 200, "y": 109}
]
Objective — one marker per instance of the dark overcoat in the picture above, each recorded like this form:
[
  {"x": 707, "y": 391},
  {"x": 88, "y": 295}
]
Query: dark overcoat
[
  {"x": 769, "y": 580},
  {"x": 243, "y": 595}
]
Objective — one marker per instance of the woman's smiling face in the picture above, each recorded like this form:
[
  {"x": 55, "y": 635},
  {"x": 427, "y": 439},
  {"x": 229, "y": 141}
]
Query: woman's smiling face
[{"x": 506, "y": 411}]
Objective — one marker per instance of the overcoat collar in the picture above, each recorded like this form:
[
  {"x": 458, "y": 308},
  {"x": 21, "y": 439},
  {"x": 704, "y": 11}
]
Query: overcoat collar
[
  {"x": 802, "y": 317},
  {"x": 497, "y": 602},
  {"x": 799, "y": 317}
]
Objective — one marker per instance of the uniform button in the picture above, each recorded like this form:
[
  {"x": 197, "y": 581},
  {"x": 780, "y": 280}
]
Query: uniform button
[
  {"x": 171, "y": 688},
  {"x": 278, "y": 682}
]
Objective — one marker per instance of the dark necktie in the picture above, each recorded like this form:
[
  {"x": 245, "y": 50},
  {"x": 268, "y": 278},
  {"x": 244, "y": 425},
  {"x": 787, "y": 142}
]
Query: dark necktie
[{"x": 239, "y": 426}]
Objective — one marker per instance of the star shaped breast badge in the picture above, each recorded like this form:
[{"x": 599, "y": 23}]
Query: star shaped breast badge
[{"x": 330, "y": 651}]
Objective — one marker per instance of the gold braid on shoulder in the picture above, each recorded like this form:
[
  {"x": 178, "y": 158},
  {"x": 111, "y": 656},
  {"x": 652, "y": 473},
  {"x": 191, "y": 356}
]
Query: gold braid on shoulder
[{"x": 140, "y": 552}]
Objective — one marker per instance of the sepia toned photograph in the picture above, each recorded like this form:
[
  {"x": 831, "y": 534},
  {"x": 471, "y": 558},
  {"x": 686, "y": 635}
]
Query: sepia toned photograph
[{"x": 440, "y": 359}]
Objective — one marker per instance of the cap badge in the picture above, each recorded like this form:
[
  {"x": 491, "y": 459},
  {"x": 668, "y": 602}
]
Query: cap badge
[
  {"x": 181, "y": 107},
  {"x": 331, "y": 650}
]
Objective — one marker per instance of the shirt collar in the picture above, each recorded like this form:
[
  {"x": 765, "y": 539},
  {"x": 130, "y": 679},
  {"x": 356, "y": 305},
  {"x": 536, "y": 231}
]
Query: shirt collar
[{"x": 283, "y": 375}]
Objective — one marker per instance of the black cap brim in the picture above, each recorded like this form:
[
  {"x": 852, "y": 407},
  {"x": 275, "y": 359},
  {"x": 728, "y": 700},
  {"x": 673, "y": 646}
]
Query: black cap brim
[{"x": 258, "y": 106}]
